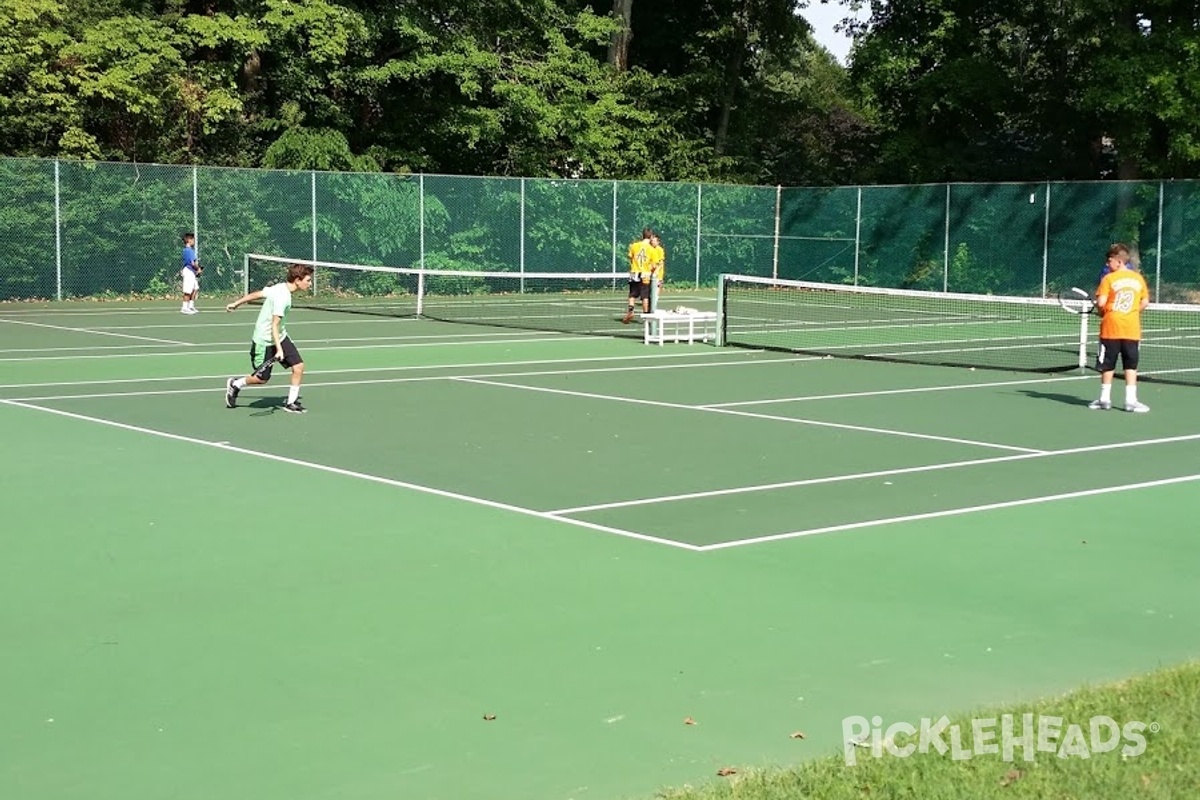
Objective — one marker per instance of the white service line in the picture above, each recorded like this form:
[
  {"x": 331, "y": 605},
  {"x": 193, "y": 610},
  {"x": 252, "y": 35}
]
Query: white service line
[
  {"x": 794, "y": 420},
  {"x": 883, "y": 473},
  {"x": 953, "y": 512},
  {"x": 96, "y": 332},
  {"x": 533, "y": 362},
  {"x": 416, "y": 487},
  {"x": 245, "y": 348},
  {"x": 310, "y": 340}
]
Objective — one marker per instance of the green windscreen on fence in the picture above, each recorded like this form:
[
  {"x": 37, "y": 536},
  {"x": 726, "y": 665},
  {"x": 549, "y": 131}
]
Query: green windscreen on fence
[{"x": 90, "y": 229}]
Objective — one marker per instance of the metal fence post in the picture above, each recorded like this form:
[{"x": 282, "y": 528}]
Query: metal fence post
[
  {"x": 1046, "y": 241},
  {"x": 699, "y": 201},
  {"x": 1158, "y": 249},
  {"x": 614, "y": 234},
  {"x": 521, "y": 266},
  {"x": 857, "y": 234},
  {"x": 775, "y": 247},
  {"x": 946, "y": 246},
  {"x": 313, "y": 197},
  {"x": 196, "y": 206},
  {"x": 57, "y": 232}
]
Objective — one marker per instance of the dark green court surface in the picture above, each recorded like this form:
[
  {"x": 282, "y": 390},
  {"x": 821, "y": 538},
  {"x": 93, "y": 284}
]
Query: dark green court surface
[{"x": 587, "y": 539}]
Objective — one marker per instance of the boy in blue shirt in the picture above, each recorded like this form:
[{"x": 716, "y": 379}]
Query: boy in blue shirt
[{"x": 190, "y": 272}]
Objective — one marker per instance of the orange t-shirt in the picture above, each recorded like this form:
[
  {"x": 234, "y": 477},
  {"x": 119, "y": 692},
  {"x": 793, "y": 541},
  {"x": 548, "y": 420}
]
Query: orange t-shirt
[{"x": 1124, "y": 292}]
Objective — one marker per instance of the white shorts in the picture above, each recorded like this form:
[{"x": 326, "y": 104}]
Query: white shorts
[{"x": 190, "y": 282}]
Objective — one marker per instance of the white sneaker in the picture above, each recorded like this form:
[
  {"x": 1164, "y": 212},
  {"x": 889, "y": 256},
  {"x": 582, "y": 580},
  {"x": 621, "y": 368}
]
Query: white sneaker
[
  {"x": 1100, "y": 405},
  {"x": 1137, "y": 408}
]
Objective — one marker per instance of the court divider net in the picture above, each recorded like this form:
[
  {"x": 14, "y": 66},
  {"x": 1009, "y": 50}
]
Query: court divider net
[{"x": 943, "y": 328}]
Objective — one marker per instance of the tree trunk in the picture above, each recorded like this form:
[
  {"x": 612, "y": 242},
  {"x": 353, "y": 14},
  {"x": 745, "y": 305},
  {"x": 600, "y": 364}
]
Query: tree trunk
[
  {"x": 733, "y": 78},
  {"x": 618, "y": 48}
]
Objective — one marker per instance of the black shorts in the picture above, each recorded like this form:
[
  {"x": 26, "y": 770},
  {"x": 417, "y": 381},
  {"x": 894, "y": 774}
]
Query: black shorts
[
  {"x": 1127, "y": 349},
  {"x": 291, "y": 357},
  {"x": 639, "y": 290}
]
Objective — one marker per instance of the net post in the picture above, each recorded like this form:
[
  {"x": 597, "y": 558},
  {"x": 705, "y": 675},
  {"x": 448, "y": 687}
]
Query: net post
[
  {"x": 653, "y": 293},
  {"x": 421, "y": 291},
  {"x": 719, "y": 334},
  {"x": 245, "y": 273},
  {"x": 1083, "y": 340}
]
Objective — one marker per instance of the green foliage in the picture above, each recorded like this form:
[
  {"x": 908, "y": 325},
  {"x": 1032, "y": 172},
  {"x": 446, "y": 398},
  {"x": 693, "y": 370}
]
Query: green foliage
[
  {"x": 714, "y": 91},
  {"x": 975, "y": 91},
  {"x": 304, "y": 148}
]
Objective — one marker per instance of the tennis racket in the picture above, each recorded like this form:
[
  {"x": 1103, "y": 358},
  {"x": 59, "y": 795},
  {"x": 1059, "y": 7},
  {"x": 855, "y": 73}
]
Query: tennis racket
[
  {"x": 261, "y": 369},
  {"x": 1076, "y": 301}
]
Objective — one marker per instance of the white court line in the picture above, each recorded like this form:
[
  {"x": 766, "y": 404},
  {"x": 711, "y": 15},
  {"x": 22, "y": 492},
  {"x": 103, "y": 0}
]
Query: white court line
[
  {"x": 416, "y": 487},
  {"x": 875, "y": 523},
  {"x": 166, "y": 308},
  {"x": 794, "y": 420},
  {"x": 98, "y": 333},
  {"x": 740, "y": 362},
  {"x": 239, "y": 323},
  {"x": 245, "y": 348},
  {"x": 883, "y": 473},
  {"x": 884, "y": 392},
  {"x": 312, "y": 340}
]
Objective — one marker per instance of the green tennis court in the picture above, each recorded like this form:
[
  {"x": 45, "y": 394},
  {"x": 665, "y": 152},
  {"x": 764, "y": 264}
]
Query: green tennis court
[{"x": 494, "y": 562}]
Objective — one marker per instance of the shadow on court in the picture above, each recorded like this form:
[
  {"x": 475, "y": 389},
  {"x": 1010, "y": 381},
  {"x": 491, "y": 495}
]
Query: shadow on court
[{"x": 1057, "y": 397}]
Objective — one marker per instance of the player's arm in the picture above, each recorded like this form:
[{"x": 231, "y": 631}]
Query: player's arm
[
  {"x": 248, "y": 298},
  {"x": 276, "y": 321},
  {"x": 1101, "y": 295}
]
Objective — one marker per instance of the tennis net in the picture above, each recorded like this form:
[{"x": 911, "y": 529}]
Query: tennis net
[
  {"x": 584, "y": 303},
  {"x": 963, "y": 330}
]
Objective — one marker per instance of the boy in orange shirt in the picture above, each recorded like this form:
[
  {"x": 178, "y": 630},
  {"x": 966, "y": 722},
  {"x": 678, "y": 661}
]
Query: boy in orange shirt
[{"x": 1121, "y": 298}]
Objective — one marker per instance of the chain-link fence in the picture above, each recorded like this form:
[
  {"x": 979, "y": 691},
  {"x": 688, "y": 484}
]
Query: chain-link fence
[{"x": 85, "y": 229}]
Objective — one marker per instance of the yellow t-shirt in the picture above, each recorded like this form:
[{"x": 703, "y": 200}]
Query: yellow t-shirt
[
  {"x": 639, "y": 260},
  {"x": 657, "y": 258}
]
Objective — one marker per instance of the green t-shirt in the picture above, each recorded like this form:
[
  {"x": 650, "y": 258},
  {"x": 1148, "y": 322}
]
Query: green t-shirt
[{"x": 277, "y": 301}]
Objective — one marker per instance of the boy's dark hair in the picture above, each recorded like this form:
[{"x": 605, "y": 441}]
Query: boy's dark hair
[
  {"x": 647, "y": 233},
  {"x": 187, "y": 236},
  {"x": 298, "y": 271},
  {"x": 1117, "y": 249}
]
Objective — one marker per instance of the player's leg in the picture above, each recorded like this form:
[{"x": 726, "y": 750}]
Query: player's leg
[
  {"x": 1106, "y": 362},
  {"x": 293, "y": 360},
  {"x": 633, "y": 295},
  {"x": 186, "y": 277},
  {"x": 1130, "y": 355},
  {"x": 259, "y": 374},
  {"x": 644, "y": 294}
]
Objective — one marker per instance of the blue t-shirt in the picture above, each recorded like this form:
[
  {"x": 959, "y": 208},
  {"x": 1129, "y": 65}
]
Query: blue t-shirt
[
  {"x": 189, "y": 258},
  {"x": 1104, "y": 271}
]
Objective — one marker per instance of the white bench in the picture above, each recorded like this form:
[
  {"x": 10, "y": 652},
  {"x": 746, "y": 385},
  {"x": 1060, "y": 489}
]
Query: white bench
[{"x": 663, "y": 326}]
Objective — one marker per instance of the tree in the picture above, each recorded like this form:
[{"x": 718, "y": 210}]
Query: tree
[{"x": 618, "y": 49}]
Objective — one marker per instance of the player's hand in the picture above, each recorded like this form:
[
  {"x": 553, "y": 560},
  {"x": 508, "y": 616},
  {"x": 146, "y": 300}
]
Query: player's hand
[
  {"x": 230, "y": 306},
  {"x": 279, "y": 354}
]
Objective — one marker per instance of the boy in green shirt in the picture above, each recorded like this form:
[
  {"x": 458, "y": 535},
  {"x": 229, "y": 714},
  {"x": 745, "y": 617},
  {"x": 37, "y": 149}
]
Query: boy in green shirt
[{"x": 271, "y": 338}]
